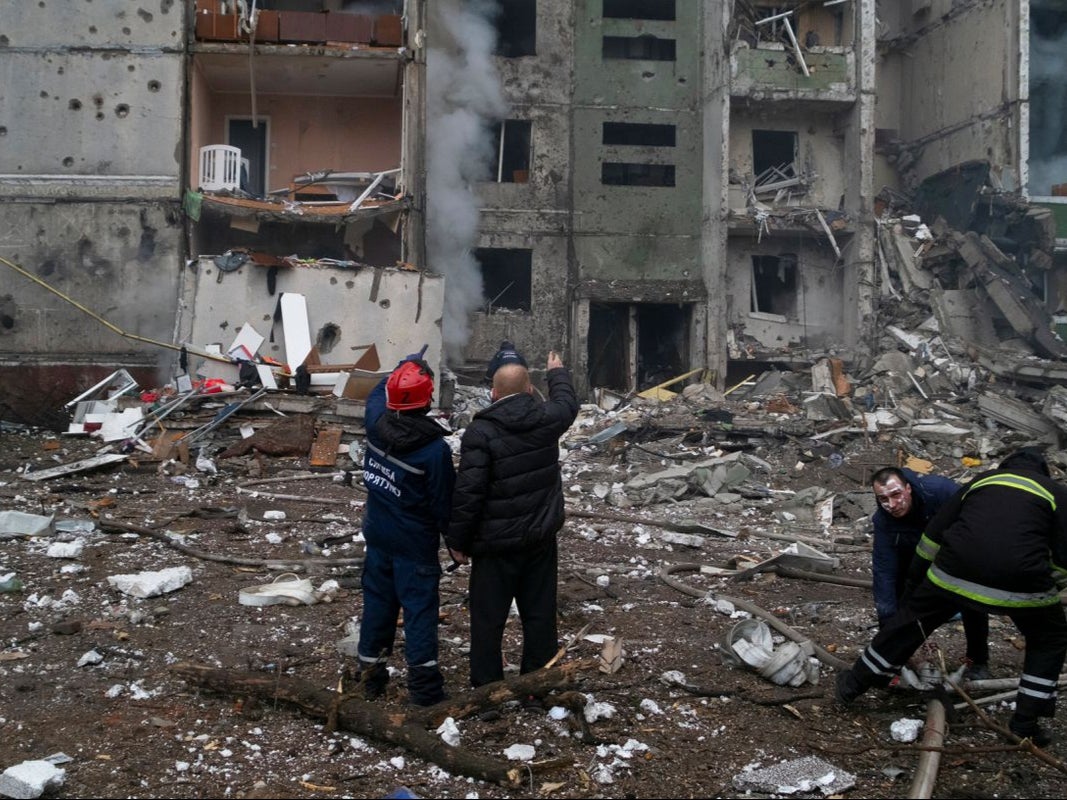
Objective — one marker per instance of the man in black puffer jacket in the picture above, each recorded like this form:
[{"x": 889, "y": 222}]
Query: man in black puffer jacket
[{"x": 506, "y": 512}]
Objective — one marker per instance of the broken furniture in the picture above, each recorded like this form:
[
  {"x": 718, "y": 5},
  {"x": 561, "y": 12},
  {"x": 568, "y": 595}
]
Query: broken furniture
[{"x": 220, "y": 167}]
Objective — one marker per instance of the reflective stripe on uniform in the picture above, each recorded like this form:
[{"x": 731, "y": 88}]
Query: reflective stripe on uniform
[
  {"x": 927, "y": 548},
  {"x": 1015, "y": 482},
  {"x": 1041, "y": 688},
  {"x": 877, "y": 664},
  {"x": 393, "y": 459},
  {"x": 988, "y": 594}
]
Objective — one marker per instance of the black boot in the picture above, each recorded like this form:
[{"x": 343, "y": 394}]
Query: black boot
[
  {"x": 374, "y": 678},
  {"x": 425, "y": 686},
  {"x": 846, "y": 689},
  {"x": 1028, "y": 728}
]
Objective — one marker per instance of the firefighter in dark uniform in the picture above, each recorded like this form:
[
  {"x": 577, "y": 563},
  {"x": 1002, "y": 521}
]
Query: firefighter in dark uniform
[
  {"x": 1000, "y": 546},
  {"x": 409, "y": 475}
]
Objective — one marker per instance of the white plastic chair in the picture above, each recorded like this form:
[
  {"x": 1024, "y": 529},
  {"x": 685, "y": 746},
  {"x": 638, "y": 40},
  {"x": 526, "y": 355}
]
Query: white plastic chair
[{"x": 220, "y": 167}]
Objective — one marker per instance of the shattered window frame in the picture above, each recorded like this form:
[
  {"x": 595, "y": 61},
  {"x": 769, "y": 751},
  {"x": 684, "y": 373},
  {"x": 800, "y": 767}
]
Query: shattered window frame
[
  {"x": 507, "y": 278},
  {"x": 767, "y": 299},
  {"x": 513, "y": 146}
]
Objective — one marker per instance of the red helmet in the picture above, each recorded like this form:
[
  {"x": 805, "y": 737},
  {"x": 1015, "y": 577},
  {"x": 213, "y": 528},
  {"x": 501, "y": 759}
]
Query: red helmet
[{"x": 409, "y": 387}]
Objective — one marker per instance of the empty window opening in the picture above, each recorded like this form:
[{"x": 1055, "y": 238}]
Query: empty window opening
[
  {"x": 516, "y": 29},
  {"x": 639, "y": 9},
  {"x": 620, "y": 174},
  {"x": 506, "y": 283},
  {"x": 512, "y": 137},
  {"x": 774, "y": 285},
  {"x": 645, "y": 48},
  {"x": 639, "y": 134},
  {"x": 773, "y": 155}
]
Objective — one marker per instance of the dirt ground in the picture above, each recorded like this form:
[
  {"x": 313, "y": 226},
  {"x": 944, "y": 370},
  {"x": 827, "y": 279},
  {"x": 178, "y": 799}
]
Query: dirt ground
[{"x": 672, "y": 721}]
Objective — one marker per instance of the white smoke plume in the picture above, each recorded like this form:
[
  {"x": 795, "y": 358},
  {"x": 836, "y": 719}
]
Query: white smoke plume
[{"x": 463, "y": 97}]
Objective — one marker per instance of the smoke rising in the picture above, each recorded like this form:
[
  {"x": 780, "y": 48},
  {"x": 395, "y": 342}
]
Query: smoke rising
[{"x": 463, "y": 97}]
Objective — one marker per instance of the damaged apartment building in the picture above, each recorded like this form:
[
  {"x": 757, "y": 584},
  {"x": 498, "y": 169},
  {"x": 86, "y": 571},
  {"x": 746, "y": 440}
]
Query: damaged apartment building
[{"x": 658, "y": 186}]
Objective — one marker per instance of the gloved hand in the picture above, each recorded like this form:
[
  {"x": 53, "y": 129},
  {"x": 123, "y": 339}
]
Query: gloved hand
[{"x": 415, "y": 356}]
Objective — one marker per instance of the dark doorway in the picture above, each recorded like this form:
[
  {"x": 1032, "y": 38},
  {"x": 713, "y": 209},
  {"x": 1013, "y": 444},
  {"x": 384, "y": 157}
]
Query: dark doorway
[
  {"x": 662, "y": 343},
  {"x": 609, "y": 346},
  {"x": 253, "y": 145}
]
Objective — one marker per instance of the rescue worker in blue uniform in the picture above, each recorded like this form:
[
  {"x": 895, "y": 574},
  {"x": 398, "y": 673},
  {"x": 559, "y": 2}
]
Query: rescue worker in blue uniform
[
  {"x": 1000, "y": 546},
  {"x": 907, "y": 501},
  {"x": 409, "y": 475}
]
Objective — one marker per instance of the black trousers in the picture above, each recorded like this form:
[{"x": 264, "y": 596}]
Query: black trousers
[
  {"x": 930, "y": 607},
  {"x": 528, "y": 578},
  {"x": 975, "y": 623}
]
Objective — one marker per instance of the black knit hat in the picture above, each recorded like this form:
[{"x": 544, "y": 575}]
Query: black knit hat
[
  {"x": 505, "y": 354},
  {"x": 1031, "y": 459}
]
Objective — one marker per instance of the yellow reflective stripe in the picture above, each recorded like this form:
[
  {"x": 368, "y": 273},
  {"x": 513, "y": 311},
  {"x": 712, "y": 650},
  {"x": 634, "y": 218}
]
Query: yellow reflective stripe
[
  {"x": 987, "y": 594},
  {"x": 927, "y": 548},
  {"x": 1015, "y": 482}
]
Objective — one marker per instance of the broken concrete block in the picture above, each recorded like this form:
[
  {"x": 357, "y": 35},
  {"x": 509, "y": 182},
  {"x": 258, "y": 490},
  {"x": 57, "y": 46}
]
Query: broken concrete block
[
  {"x": 806, "y": 774},
  {"x": 1017, "y": 415},
  {"x": 825, "y": 407},
  {"x": 150, "y": 584},
  {"x": 30, "y": 779},
  {"x": 939, "y": 432}
]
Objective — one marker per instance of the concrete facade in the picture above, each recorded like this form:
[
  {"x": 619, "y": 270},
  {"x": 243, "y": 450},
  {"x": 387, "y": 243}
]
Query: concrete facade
[{"x": 634, "y": 232}]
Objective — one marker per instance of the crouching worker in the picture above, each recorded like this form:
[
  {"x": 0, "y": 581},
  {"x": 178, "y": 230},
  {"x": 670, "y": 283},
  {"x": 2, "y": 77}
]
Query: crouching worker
[
  {"x": 1000, "y": 546},
  {"x": 408, "y": 472}
]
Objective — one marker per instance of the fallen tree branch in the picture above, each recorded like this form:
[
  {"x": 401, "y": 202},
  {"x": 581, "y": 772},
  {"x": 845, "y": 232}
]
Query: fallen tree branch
[
  {"x": 989, "y": 722},
  {"x": 109, "y": 523},
  {"x": 406, "y": 727}
]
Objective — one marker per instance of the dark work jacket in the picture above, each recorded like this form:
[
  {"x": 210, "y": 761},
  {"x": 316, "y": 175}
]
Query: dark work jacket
[
  {"x": 509, "y": 495},
  {"x": 408, "y": 472},
  {"x": 1000, "y": 543},
  {"x": 895, "y": 539}
]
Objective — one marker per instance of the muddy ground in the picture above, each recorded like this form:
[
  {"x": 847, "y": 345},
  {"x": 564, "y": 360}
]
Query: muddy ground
[{"x": 90, "y": 672}]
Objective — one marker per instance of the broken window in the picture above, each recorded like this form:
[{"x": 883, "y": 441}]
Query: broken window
[
  {"x": 639, "y": 9},
  {"x": 1048, "y": 99},
  {"x": 639, "y": 134},
  {"x": 516, "y": 28},
  {"x": 506, "y": 283},
  {"x": 773, "y": 153},
  {"x": 512, "y": 138},
  {"x": 615, "y": 173},
  {"x": 645, "y": 47},
  {"x": 774, "y": 285}
]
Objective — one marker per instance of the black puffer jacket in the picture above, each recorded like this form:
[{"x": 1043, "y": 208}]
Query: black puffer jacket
[{"x": 509, "y": 495}]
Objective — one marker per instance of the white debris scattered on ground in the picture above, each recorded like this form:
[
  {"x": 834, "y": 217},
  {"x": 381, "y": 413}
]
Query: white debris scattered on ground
[
  {"x": 905, "y": 730},
  {"x": 150, "y": 584},
  {"x": 449, "y": 732},
  {"x": 520, "y": 752}
]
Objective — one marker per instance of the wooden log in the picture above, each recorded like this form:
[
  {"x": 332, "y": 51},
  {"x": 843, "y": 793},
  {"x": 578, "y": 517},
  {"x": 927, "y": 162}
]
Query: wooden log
[{"x": 405, "y": 726}]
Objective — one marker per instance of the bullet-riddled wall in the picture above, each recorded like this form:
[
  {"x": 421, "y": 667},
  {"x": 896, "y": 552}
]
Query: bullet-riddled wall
[{"x": 91, "y": 113}]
